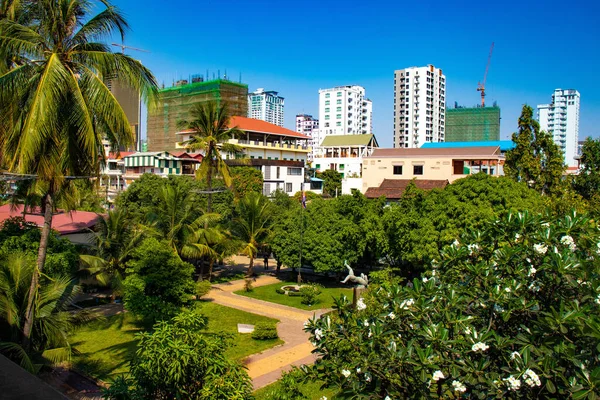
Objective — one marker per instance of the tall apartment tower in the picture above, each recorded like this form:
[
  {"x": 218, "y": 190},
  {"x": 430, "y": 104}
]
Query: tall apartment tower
[
  {"x": 561, "y": 119},
  {"x": 175, "y": 103},
  {"x": 130, "y": 101},
  {"x": 307, "y": 125},
  {"x": 419, "y": 106},
  {"x": 266, "y": 106}
]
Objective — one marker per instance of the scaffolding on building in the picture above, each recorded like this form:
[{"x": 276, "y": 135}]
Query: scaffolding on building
[
  {"x": 472, "y": 124},
  {"x": 175, "y": 103}
]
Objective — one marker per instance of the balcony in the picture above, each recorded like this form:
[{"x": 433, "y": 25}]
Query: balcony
[{"x": 270, "y": 145}]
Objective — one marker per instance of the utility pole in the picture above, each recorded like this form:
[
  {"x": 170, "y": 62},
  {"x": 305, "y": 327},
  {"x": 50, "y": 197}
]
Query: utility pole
[{"x": 303, "y": 200}]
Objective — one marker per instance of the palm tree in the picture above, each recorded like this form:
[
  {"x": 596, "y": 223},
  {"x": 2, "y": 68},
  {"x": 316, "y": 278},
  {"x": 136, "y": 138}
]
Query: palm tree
[
  {"x": 51, "y": 321},
  {"x": 115, "y": 239},
  {"x": 252, "y": 224},
  {"x": 57, "y": 78},
  {"x": 210, "y": 134}
]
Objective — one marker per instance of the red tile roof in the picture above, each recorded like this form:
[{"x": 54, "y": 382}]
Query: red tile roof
[
  {"x": 393, "y": 189},
  {"x": 183, "y": 154},
  {"x": 113, "y": 156},
  {"x": 63, "y": 222},
  {"x": 260, "y": 126}
]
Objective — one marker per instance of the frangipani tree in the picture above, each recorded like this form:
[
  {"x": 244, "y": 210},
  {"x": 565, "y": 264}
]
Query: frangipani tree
[{"x": 510, "y": 311}]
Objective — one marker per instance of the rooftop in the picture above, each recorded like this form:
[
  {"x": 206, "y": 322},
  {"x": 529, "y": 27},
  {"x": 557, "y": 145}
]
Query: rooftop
[
  {"x": 200, "y": 85},
  {"x": 504, "y": 145},
  {"x": 467, "y": 152},
  {"x": 64, "y": 222},
  {"x": 394, "y": 188},
  {"x": 349, "y": 140},
  {"x": 259, "y": 126}
]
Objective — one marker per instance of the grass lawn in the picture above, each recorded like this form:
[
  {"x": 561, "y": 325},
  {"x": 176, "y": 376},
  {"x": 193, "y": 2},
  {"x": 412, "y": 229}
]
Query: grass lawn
[
  {"x": 268, "y": 293},
  {"x": 312, "y": 390},
  {"x": 106, "y": 346}
]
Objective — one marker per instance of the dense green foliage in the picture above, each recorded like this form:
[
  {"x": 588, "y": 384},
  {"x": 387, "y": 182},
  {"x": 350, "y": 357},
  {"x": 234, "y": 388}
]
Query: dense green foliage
[
  {"x": 536, "y": 159},
  {"x": 507, "y": 311},
  {"x": 19, "y": 236},
  {"x": 265, "y": 331},
  {"x": 158, "y": 282},
  {"x": 332, "y": 184},
  {"x": 246, "y": 180},
  {"x": 52, "y": 322},
  {"x": 587, "y": 183},
  {"x": 178, "y": 360}
]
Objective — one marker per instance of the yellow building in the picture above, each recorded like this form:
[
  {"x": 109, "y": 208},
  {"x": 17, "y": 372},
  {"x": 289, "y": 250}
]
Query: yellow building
[{"x": 431, "y": 164}]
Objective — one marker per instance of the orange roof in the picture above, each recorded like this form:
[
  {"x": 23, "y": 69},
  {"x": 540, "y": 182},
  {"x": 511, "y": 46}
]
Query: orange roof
[
  {"x": 113, "y": 156},
  {"x": 259, "y": 126}
]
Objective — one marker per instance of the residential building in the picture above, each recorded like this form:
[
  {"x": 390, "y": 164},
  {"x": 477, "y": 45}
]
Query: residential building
[
  {"x": 504, "y": 145},
  {"x": 343, "y": 110},
  {"x": 419, "y": 106},
  {"x": 111, "y": 177},
  {"x": 472, "y": 124},
  {"x": 266, "y": 106},
  {"x": 131, "y": 103},
  {"x": 345, "y": 153},
  {"x": 175, "y": 103},
  {"x": 561, "y": 119},
  {"x": 159, "y": 163},
  {"x": 430, "y": 164},
  {"x": 279, "y": 153},
  {"x": 393, "y": 189},
  {"x": 309, "y": 126}
]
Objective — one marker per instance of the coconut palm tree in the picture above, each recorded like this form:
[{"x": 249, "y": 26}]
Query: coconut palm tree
[
  {"x": 51, "y": 320},
  {"x": 115, "y": 238},
  {"x": 210, "y": 133},
  {"x": 252, "y": 224},
  {"x": 60, "y": 65}
]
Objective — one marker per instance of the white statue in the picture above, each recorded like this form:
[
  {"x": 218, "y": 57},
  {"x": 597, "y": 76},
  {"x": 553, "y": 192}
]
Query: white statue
[{"x": 362, "y": 281}]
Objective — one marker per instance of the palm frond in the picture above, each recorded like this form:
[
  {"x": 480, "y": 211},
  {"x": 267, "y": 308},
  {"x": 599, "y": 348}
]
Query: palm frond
[{"x": 102, "y": 26}]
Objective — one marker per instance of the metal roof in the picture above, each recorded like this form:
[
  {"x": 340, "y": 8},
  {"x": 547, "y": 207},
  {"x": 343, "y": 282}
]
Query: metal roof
[
  {"x": 504, "y": 145},
  {"x": 349, "y": 140},
  {"x": 492, "y": 151}
]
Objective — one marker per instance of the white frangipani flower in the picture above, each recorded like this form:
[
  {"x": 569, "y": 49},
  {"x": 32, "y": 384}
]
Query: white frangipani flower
[
  {"x": 531, "y": 378},
  {"x": 366, "y": 323},
  {"x": 358, "y": 370},
  {"x": 568, "y": 241},
  {"x": 346, "y": 373},
  {"x": 507, "y": 289},
  {"x": 514, "y": 355},
  {"x": 517, "y": 237},
  {"x": 407, "y": 303},
  {"x": 480, "y": 346},
  {"x": 387, "y": 398},
  {"x": 467, "y": 331},
  {"x": 306, "y": 323},
  {"x": 360, "y": 304},
  {"x": 323, "y": 398},
  {"x": 512, "y": 383},
  {"x": 532, "y": 271},
  {"x": 425, "y": 279},
  {"x": 473, "y": 248},
  {"x": 456, "y": 243},
  {"x": 458, "y": 387},
  {"x": 368, "y": 377},
  {"x": 540, "y": 248},
  {"x": 318, "y": 334},
  {"x": 598, "y": 299},
  {"x": 546, "y": 225},
  {"x": 392, "y": 315},
  {"x": 437, "y": 375}
]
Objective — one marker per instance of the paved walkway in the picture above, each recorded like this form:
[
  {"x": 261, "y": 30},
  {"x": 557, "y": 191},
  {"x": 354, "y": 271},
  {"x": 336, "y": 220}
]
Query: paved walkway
[{"x": 266, "y": 367}]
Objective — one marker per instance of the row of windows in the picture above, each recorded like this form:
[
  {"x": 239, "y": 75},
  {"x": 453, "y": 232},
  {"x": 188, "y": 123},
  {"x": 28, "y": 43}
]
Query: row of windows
[
  {"x": 328, "y": 95},
  {"x": 417, "y": 169}
]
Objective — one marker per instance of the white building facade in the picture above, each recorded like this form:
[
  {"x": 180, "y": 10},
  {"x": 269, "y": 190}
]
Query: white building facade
[
  {"x": 561, "y": 119},
  {"x": 419, "y": 106},
  {"x": 266, "y": 106},
  {"x": 309, "y": 126}
]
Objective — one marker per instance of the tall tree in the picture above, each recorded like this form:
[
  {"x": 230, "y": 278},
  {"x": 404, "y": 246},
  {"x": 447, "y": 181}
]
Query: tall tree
[
  {"x": 57, "y": 79},
  {"x": 252, "y": 224},
  {"x": 211, "y": 132},
  {"x": 333, "y": 182},
  {"x": 536, "y": 159},
  {"x": 587, "y": 183}
]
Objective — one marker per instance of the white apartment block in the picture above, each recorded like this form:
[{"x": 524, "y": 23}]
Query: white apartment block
[
  {"x": 419, "y": 106},
  {"x": 561, "y": 119},
  {"x": 307, "y": 125},
  {"x": 266, "y": 106},
  {"x": 344, "y": 110}
]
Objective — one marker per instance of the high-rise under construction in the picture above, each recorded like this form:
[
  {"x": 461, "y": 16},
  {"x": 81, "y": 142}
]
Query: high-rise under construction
[
  {"x": 472, "y": 124},
  {"x": 175, "y": 103}
]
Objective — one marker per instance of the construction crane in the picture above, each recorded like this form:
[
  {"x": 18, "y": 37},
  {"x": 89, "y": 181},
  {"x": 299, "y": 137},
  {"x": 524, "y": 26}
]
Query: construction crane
[
  {"x": 481, "y": 86},
  {"x": 123, "y": 47}
]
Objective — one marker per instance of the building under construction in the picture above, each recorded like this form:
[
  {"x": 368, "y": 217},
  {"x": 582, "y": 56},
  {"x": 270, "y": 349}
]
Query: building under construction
[
  {"x": 175, "y": 103},
  {"x": 472, "y": 124}
]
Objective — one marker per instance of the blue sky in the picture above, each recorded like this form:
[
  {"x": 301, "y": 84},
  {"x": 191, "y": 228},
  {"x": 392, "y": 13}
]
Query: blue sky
[{"x": 297, "y": 48}]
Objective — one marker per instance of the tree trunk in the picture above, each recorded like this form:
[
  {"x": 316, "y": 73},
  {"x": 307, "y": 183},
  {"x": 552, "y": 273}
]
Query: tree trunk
[
  {"x": 28, "y": 325},
  {"x": 251, "y": 266},
  {"x": 209, "y": 185},
  {"x": 210, "y": 268}
]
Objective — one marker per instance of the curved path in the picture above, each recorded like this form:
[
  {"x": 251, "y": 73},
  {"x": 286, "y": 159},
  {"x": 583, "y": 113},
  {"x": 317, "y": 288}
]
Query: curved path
[{"x": 266, "y": 367}]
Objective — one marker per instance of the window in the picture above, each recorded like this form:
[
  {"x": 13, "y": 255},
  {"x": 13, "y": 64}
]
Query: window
[
  {"x": 417, "y": 170},
  {"x": 338, "y": 109},
  {"x": 327, "y": 102},
  {"x": 339, "y": 116},
  {"x": 318, "y": 166},
  {"x": 326, "y": 109},
  {"x": 339, "y": 102},
  {"x": 327, "y": 95},
  {"x": 341, "y": 168},
  {"x": 338, "y": 123},
  {"x": 339, "y": 94},
  {"x": 397, "y": 169},
  {"x": 326, "y": 116},
  {"x": 288, "y": 187},
  {"x": 294, "y": 171}
]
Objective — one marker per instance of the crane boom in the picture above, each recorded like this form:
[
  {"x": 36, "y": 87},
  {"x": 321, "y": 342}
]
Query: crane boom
[
  {"x": 481, "y": 86},
  {"x": 123, "y": 47}
]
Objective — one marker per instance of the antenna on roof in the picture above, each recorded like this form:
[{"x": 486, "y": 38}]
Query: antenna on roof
[
  {"x": 225, "y": 76},
  {"x": 240, "y": 77}
]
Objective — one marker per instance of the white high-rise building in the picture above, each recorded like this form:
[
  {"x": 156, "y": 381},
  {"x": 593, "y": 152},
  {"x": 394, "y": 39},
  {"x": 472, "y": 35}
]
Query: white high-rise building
[
  {"x": 266, "y": 106},
  {"x": 344, "y": 110},
  {"x": 309, "y": 126},
  {"x": 419, "y": 106},
  {"x": 561, "y": 119}
]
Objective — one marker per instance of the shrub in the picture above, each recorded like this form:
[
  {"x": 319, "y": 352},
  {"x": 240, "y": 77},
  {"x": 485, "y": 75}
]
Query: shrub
[
  {"x": 508, "y": 311},
  {"x": 202, "y": 288},
  {"x": 248, "y": 285},
  {"x": 310, "y": 294},
  {"x": 280, "y": 291},
  {"x": 265, "y": 331}
]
